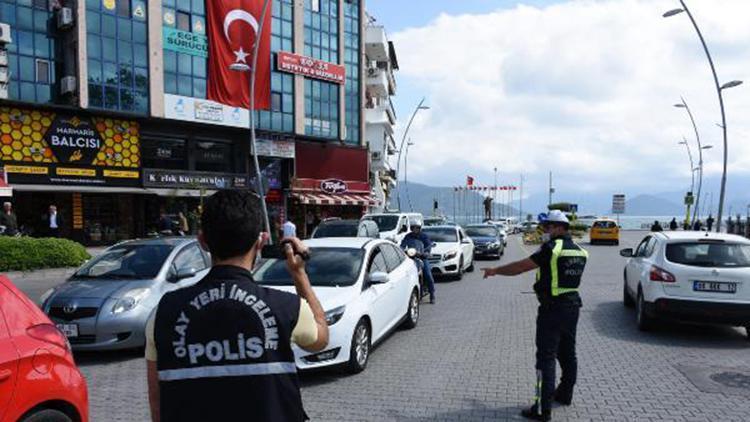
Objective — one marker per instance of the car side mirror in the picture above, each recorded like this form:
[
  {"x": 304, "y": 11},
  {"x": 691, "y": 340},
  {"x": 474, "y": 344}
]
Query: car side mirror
[
  {"x": 466, "y": 241},
  {"x": 626, "y": 253},
  {"x": 185, "y": 273},
  {"x": 378, "y": 277}
]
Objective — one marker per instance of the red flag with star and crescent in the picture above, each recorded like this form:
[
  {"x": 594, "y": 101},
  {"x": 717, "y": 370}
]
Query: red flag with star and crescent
[{"x": 233, "y": 27}]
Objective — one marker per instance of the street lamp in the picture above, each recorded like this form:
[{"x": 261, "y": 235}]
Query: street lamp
[
  {"x": 420, "y": 106},
  {"x": 719, "y": 90},
  {"x": 406, "y": 174},
  {"x": 251, "y": 110},
  {"x": 692, "y": 181},
  {"x": 685, "y": 106}
]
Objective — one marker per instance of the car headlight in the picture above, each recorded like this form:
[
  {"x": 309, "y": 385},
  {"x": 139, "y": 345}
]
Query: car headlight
[
  {"x": 450, "y": 255},
  {"x": 495, "y": 245},
  {"x": 129, "y": 300},
  {"x": 46, "y": 295},
  {"x": 334, "y": 315}
]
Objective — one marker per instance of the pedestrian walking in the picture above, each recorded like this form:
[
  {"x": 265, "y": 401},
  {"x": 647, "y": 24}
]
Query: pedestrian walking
[
  {"x": 221, "y": 349},
  {"x": 656, "y": 227},
  {"x": 52, "y": 222},
  {"x": 183, "y": 222},
  {"x": 289, "y": 229},
  {"x": 560, "y": 263},
  {"x": 9, "y": 220},
  {"x": 710, "y": 222},
  {"x": 673, "y": 224}
]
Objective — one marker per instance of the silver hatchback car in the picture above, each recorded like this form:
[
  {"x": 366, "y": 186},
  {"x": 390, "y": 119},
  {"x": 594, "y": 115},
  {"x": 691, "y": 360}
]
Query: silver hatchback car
[{"x": 106, "y": 303}]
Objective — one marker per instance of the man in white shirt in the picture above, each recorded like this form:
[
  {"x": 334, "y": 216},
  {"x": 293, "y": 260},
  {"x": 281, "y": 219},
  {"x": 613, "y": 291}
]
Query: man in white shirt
[
  {"x": 290, "y": 230},
  {"x": 53, "y": 222}
]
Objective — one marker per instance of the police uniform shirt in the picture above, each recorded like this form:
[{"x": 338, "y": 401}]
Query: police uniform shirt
[
  {"x": 542, "y": 258},
  {"x": 305, "y": 333}
]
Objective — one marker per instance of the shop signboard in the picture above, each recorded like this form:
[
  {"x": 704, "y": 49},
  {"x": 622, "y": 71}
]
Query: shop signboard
[
  {"x": 41, "y": 147},
  {"x": 275, "y": 148},
  {"x": 185, "y": 42},
  {"x": 334, "y": 186},
  {"x": 196, "y": 110},
  {"x": 311, "y": 68},
  {"x": 176, "y": 179}
]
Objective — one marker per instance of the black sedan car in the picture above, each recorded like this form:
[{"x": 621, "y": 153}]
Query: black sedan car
[{"x": 488, "y": 240}]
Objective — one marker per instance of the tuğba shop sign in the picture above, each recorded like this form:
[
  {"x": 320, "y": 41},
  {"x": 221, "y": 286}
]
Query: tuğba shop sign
[{"x": 73, "y": 140}]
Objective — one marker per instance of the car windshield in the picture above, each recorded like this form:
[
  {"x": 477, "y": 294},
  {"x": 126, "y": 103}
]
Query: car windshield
[
  {"x": 327, "y": 267},
  {"x": 385, "y": 223},
  {"x": 336, "y": 230},
  {"x": 126, "y": 262},
  {"x": 441, "y": 234},
  {"x": 604, "y": 224},
  {"x": 709, "y": 254},
  {"x": 481, "y": 231}
]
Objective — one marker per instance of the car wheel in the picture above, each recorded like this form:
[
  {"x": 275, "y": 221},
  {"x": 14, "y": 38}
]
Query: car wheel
[
  {"x": 643, "y": 321},
  {"x": 47, "y": 415},
  {"x": 627, "y": 299},
  {"x": 412, "y": 313},
  {"x": 360, "y": 349}
]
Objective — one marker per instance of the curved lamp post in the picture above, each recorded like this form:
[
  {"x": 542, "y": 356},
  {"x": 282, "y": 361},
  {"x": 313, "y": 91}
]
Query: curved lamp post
[
  {"x": 420, "y": 106},
  {"x": 719, "y": 89},
  {"x": 684, "y": 105},
  {"x": 692, "y": 180}
]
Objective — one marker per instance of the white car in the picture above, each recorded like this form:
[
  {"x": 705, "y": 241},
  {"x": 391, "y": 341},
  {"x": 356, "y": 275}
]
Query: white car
[
  {"x": 452, "y": 251},
  {"x": 368, "y": 288},
  {"x": 394, "y": 226},
  {"x": 690, "y": 276}
]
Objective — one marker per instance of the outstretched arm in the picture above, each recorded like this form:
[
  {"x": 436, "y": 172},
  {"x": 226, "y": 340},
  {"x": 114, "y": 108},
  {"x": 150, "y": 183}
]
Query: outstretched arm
[{"x": 514, "y": 268}]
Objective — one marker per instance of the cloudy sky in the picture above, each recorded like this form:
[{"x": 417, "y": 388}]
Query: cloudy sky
[{"x": 581, "y": 88}]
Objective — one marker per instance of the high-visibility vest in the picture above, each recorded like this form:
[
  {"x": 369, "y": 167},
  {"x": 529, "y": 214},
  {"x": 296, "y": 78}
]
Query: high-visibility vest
[{"x": 566, "y": 268}]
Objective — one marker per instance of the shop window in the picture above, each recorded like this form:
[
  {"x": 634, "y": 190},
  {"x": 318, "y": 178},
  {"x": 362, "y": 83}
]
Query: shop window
[
  {"x": 164, "y": 153},
  {"x": 214, "y": 156},
  {"x": 351, "y": 61}
]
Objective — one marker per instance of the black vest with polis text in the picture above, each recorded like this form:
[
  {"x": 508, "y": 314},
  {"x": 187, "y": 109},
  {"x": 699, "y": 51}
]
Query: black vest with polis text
[
  {"x": 561, "y": 270},
  {"x": 224, "y": 351}
]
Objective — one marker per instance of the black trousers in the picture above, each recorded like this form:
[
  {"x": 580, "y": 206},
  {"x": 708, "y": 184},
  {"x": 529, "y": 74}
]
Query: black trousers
[{"x": 556, "y": 326}]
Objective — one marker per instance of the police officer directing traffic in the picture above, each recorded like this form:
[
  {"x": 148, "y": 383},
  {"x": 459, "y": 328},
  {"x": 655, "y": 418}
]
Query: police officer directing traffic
[
  {"x": 221, "y": 349},
  {"x": 559, "y": 263}
]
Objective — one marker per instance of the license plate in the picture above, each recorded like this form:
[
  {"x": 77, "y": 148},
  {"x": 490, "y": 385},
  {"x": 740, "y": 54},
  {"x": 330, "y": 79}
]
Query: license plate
[
  {"x": 70, "y": 330},
  {"x": 715, "y": 287}
]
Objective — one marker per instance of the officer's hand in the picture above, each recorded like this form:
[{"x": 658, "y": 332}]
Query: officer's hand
[
  {"x": 294, "y": 262},
  {"x": 488, "y": 272}
]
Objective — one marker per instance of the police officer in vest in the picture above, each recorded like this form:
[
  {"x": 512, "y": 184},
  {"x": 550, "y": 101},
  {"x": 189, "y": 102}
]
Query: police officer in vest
[
  {"x": 559, "y": 263},
  {"x": 221, "y": 349}
]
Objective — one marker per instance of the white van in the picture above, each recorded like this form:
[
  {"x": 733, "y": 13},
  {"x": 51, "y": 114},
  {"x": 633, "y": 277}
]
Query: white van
[{"x": 394, "y": 226}]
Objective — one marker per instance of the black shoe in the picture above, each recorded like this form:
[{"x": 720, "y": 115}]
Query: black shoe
[
  {"x": 533, "y": 414},
  {"x": 563, "y": 398},
  {"x": 432, "y": 300}
]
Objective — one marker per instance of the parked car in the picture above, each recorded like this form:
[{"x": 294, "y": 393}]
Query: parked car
[
  {"x": 604, "y": 230},
  {"x": 39, "y": 380},
  {"x": 488, "y": 240},
  {"x": 689, "y": 276},
  {"x": 394, "y": 226},
  {"x": 367, "y": 287},
  {"x": 106, "y": 303},
  {"x": 346, "y": 228},
  {"x": 452, "y": 251}
]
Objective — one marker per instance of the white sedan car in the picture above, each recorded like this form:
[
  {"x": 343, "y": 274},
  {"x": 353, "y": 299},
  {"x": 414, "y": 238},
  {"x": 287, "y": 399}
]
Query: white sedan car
[
  {"x": 368, "y": 288},
  {"x": 452, "y": 251},
  {"x": 690, "y": 276}
]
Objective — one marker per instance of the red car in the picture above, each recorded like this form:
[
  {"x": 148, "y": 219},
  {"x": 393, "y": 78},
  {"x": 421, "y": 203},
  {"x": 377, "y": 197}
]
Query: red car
[{"x": 39, "y": 380}]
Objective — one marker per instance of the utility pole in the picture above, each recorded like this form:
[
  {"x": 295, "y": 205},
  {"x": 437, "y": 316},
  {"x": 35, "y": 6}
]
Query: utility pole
[{"x": 551, "y": 190}]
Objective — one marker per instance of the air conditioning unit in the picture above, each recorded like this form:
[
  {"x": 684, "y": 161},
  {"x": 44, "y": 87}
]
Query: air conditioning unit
[
  {"x": 377, "y": 155},
  {"x": 372, "y": 72},
  {"x": 5, "y": 34},
  {"x": 65, "y": 18},
  {"x": 68, "y": 85}
]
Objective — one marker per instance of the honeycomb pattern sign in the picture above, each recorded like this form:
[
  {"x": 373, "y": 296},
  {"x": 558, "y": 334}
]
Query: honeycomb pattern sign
[{"x": 22, "y": 139}]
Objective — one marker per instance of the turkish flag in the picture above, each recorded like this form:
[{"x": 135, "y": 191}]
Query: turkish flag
[
  {"x": 469, "y": 181},
  {"x": 233, "y": 27}
]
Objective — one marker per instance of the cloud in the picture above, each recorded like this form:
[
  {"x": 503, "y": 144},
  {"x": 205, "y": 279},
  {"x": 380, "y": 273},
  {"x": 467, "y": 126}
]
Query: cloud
[{"x": 583, "y": 88}]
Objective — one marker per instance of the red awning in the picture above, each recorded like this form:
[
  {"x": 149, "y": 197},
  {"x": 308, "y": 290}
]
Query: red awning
[
  {"x": 5, "y": 189},
  {"x": 362, "y": 200}
]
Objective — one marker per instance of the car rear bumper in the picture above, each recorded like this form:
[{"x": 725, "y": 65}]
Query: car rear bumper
[{"x": 702, "y": 312}]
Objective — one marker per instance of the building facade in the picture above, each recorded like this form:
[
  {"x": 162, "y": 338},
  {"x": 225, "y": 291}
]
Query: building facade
[
  {"x": 380, "y": 115},
  {"x": 107, "y": 115}
]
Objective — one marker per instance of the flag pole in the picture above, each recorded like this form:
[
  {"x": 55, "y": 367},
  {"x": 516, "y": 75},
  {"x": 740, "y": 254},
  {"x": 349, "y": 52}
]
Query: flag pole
[{"x": 258, "y": 176}]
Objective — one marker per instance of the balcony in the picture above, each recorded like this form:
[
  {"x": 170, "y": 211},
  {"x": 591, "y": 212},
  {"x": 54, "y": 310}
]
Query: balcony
[
  {"x": 377, "y": 82},
  {"x": 376, "y": 44},
  {"x": 379, "y": 117}
]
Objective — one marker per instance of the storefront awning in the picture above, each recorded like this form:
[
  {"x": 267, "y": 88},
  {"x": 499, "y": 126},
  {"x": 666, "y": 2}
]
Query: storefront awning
[
  {"x": 5, "y": 189},
  {"x": 78, "y": 188},
  {"x": 362, "y": 200}
]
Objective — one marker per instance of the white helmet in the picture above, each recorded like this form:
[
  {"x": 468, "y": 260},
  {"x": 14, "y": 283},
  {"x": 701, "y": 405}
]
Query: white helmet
[{"x": 556, "y": 216}]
